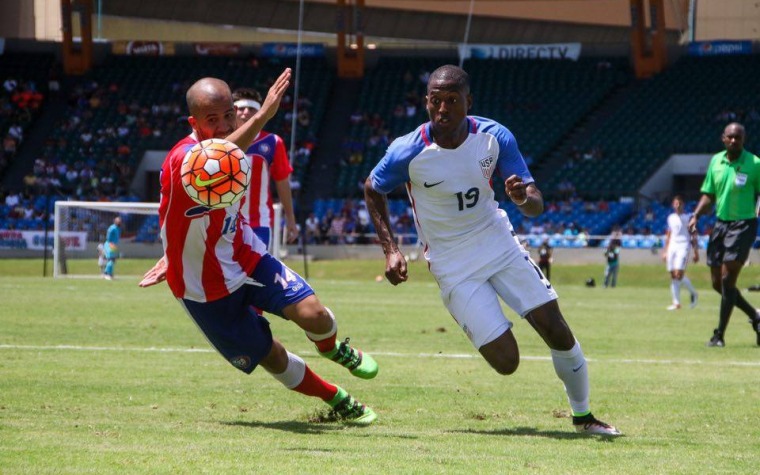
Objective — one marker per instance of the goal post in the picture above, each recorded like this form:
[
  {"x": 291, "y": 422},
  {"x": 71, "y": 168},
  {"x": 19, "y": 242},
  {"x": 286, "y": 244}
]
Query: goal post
[
  {"x": 79, "y": 226},
  {"x": 278, "y": 237}
]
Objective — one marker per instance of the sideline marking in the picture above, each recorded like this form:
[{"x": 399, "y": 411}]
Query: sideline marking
[{"x": 375, "y": 353}]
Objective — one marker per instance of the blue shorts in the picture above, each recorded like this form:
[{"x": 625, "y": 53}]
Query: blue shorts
[{"x": 234, "y": 327}]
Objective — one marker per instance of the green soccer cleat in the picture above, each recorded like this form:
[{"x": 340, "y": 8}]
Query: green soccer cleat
[
  {"x": 358, "y": 363},
  {"x": 590, "y": 425},
  {"x": 348, "y": 409}
]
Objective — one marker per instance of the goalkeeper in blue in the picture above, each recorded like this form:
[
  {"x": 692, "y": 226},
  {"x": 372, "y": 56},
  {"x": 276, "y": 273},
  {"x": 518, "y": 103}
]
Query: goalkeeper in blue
[
  {"x": 111, "y": 247},
  {"x": 446, "y": 166}
]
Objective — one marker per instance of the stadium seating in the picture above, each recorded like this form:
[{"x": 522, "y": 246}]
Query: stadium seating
[
  {"x": 539, "y": 101},
  {"x": 670, "y": 113},
  {"x": 151, "y": 90}
]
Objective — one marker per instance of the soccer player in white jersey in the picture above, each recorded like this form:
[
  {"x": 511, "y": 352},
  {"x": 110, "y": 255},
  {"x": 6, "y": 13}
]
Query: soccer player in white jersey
[
  {"x": 446, "y": 166},
  {"x": 219, "y": 271},
  {"x": 678, "y": 242}
]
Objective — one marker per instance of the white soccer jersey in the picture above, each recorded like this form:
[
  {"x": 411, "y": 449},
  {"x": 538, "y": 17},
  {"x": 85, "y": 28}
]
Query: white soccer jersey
[
  {"x": 677, "y": 256},
  {"x": 450, "y": 190},
  {"x": 678, "y": 225}
]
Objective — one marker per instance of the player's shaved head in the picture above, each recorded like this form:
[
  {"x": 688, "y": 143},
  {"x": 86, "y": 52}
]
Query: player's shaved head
[
  {"x": 205, "y": 92},
  {"x": 448, "y": 76}
]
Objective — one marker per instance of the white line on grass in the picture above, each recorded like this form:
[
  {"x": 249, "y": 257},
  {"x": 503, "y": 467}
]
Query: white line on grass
[{"x": 376, "y": 353}]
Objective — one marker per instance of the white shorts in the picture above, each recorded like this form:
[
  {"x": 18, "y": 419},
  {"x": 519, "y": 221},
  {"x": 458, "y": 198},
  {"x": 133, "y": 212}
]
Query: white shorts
[
  {"x": 677, "y": 258},
  {"x": 474, "y": 304}
]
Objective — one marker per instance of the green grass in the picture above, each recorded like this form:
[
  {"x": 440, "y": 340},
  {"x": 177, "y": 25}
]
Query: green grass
[{"x": 96, "y": 377}]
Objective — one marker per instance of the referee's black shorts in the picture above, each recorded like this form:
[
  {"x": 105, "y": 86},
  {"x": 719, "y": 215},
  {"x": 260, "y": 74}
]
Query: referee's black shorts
[{"x": 731, "y": 241}]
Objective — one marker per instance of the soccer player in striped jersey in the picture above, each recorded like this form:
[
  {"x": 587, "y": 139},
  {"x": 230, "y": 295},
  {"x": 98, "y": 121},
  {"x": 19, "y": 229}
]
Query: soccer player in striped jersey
[
  {"x": 446, "y": 166},
  {"x": 269, "y": 162},
  {"x": 219, "y": 270}
]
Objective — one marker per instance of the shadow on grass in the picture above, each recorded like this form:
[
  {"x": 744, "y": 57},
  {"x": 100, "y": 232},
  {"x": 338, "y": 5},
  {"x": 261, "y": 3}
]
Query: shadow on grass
[
  {"x": 533, "y": 432},
  {"x": 290, "y": 426}
]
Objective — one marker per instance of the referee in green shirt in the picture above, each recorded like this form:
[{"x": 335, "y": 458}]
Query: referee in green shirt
[{"x": 732, "y": 183}]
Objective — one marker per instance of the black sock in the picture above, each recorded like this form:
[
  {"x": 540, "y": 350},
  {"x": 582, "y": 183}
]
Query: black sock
[
  {"x": 745, "y": 306},
  {"x": 727, "y": 303}
]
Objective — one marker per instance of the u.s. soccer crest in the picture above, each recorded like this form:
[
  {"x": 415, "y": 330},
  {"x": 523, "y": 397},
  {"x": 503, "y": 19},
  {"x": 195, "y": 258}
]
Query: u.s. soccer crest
[{"x": 487, "y": 166}]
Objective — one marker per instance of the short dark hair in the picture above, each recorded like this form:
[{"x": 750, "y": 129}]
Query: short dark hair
[
  {"x": 246, "y": 93},
  {"x": 453, "y": 74}
]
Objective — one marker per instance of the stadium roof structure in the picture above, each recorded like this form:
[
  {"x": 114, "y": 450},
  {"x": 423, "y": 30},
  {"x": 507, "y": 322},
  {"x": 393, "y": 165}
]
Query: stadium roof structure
[{"x": 442, "y": 21}]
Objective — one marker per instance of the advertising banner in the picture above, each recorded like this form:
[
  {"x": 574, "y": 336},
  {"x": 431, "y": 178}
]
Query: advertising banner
[
  {"x": 289, "y": 50},
  {"x": 719, "y": 48},
  {"x": 560, "y": 51},
  {"x": 34, "y": 240}
]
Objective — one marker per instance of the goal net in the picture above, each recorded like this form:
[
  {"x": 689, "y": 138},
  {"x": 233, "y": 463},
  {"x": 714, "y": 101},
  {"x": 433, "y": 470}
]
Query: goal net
[{"x": 80, "y": 226}]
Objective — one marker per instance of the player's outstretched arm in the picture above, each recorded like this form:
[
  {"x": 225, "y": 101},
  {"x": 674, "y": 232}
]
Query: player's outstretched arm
[
  {"x": 527, "y": 197},
  {"x": 245, "y": 134},
  {"x": 155, "y": 275},
  {"x": 377, "y": 206}
]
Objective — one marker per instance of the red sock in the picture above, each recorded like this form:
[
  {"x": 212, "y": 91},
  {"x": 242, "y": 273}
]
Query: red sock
[
  {"x": 328, "y": 344},
  {"x": 313, "y": 385}
]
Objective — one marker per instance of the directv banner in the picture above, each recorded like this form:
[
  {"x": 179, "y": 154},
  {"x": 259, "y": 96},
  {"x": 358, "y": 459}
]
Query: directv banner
[
  {"x": 34, "y": 240},
  {"x": 571, "y": 51},
  {"x": 289, "y": 50},
  {"x": 719, "y": 48}
]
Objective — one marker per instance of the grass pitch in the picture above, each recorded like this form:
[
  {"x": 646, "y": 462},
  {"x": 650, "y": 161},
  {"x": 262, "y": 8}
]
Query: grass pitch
[{"x": 105, "y": 377}]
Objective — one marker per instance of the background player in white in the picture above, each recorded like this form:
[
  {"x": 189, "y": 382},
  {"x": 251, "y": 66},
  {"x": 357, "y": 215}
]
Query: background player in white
[
  {"x": 269, "y": 162},
  {"x": 219, "y": 270},
  {"x": 678, "y": 242},
  {"x": 446, "y": 166}
]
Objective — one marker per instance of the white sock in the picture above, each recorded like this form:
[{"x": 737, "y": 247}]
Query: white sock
[
  {"x": 293, "y": 374},
  {"x": 572, "y": 369},
  {"x": 675, "y": 290},
  {"x": 325, "y": 336},
  {"x": 687, "y": 283}
]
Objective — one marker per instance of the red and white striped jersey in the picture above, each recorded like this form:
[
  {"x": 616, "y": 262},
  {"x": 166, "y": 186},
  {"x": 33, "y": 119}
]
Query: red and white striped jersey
[
  {"x": 210, "y": 253},
  {"x": 269, "y": 161}
]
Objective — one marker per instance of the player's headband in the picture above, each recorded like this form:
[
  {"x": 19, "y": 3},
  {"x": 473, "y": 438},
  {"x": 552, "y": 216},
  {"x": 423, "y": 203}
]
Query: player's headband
[{"x": 242, "y": 103}]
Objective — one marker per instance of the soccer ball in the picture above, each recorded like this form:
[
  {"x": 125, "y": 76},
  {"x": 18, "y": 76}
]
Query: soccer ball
[{"x": 215, "y": 173}]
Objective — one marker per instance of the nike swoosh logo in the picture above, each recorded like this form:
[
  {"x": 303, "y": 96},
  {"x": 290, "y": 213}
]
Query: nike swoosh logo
[
  {"x": 430, "y": 185},
  {"x": 575, "y": 370},
  {"x": 201, "y": 182}
]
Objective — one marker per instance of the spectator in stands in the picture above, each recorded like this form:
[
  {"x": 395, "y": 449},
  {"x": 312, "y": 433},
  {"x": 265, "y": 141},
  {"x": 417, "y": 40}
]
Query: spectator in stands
[
  {"x": 325, "y": 225},
  {"x": 732, "y": 183},
  {"x": 10, "y": 85},
  {"x": 582, "y": 238},
  {"x": 678, "y": 242},
  {"x": 312, "y": 229},
  {"x": 9, "y": 146},
  {"x": 12, "y": 199},
  {"x": 269, "y": 151},
  {"x": 336, "y": 233},
  {"x": 441, "y": 164},
  {"x": 612, "y": 255}
]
